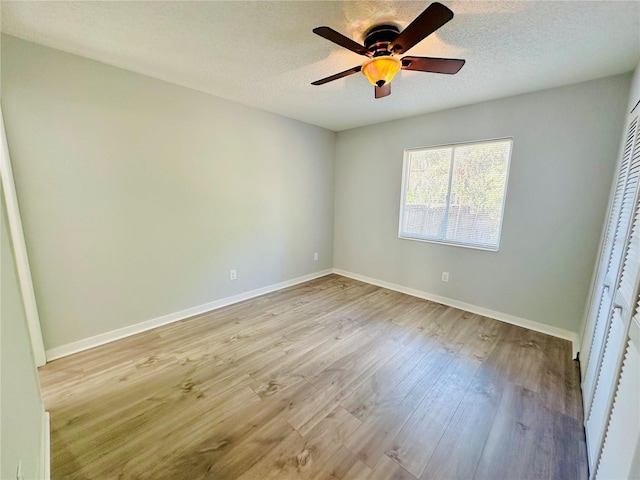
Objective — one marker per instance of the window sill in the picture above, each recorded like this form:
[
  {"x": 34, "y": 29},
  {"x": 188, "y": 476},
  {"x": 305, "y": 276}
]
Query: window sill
[{"x": 451, "y": 244}]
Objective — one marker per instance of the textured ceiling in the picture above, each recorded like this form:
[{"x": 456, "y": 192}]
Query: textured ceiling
[{"x": 263, "y": 54}]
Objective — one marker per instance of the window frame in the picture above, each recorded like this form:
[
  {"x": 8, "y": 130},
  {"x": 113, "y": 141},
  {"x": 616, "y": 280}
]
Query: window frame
[{"x": 417, "y": 238}]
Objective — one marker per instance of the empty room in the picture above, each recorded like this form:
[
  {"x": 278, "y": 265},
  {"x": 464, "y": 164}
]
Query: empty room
[{"x": 320, "y": 240}]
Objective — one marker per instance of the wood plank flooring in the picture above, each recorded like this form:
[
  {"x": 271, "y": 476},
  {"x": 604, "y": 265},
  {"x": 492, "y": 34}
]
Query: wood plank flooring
[{"x": 330, "y": 379}]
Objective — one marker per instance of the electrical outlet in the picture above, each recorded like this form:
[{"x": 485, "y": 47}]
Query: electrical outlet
[
  {"x": 315, "y": 256},
  {"x": 445, "y": 276},
  {"x": 233, "y": 274}
]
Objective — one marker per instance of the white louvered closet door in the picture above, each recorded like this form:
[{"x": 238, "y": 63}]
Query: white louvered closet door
[
  {"x": 617, "y": 306},
  {"x": 620, "y": 456},
  {"x": 594, "y": 328}
]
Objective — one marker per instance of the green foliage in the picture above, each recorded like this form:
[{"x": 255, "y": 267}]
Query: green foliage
[{"x": 429, "y": 177}]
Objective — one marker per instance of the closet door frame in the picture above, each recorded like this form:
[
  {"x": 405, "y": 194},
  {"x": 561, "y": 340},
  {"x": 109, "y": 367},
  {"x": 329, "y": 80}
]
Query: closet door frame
[{"x": 20, "y": 250}]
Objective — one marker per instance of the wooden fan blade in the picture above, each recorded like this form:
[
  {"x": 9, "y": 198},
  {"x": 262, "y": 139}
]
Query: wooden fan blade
[
  {"x": 339, "y": 39},
  {"x": 434, "y": 65},
  {"x": 346, "y": 73},
  {"x": 383, "y": 91},
  {"x": 435, "y": 16}
]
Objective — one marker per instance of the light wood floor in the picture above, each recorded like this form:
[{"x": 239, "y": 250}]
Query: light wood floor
[{"x": 329, "y": 379}]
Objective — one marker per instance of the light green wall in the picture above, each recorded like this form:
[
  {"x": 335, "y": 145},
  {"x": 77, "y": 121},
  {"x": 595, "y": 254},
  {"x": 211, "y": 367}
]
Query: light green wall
[
  {"x": 634, "y": 95},
  {"x": 564, "y": 154},
  {"x": 20, "y": 401},
  {"x": 138, "y": 196}
]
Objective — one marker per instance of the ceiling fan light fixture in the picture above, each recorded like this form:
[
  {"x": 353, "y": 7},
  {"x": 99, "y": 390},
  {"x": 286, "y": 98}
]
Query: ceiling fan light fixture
[
  {"x": 384, "y": 41},
  {"x": 381, "y": 70}
]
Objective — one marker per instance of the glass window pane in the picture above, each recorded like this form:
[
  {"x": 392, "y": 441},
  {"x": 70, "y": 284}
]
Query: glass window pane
[
  {"x": 426, "y": 193},
  {"x": 477, "y": 192}
]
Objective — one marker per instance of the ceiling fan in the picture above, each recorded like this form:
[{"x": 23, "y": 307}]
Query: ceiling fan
[{"x": 383, "y": 43}]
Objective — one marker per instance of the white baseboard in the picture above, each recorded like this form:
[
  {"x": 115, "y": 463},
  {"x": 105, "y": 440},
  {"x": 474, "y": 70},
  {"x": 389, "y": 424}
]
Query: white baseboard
[
  {"x": 91, "y": 342},
  {"x": 107, "y": 337},
  {"x": 45, "y": 448},
  {"x": 503, "y": 317}
]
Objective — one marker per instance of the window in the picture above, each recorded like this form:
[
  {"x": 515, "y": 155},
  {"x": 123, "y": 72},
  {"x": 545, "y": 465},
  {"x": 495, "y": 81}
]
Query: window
[{"x": 455, "y": 194}]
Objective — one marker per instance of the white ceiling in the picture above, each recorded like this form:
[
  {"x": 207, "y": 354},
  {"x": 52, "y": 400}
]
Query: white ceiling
[{"x": 263, "y": 54}]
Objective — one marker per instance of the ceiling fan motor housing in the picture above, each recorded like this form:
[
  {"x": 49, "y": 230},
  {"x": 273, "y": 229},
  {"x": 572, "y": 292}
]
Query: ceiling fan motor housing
[{"x": 378, "y": 38}]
